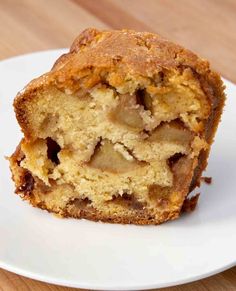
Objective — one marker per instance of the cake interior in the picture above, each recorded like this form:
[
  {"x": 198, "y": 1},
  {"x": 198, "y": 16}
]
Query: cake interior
[{"x": 115, "y": 148}]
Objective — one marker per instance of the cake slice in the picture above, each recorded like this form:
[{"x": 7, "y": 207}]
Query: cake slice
[{"x": 119, "y": 130}]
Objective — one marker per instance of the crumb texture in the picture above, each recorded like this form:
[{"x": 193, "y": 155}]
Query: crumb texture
[{"x": 119, "y": 130}]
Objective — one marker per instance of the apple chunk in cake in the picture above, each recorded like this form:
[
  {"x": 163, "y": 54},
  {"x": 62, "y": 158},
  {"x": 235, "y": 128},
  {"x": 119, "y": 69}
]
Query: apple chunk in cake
[{"x": 119, "y": 130}]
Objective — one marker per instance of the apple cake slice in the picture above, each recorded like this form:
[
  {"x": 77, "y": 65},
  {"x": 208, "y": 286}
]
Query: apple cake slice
[{"x": 119, "y": 130}]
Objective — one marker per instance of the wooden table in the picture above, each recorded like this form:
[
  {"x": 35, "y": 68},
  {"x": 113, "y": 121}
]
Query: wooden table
[{"x": 205, "y": 26}]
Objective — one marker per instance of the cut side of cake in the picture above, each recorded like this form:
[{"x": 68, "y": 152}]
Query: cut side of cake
[{"x": 119, "y": 130}]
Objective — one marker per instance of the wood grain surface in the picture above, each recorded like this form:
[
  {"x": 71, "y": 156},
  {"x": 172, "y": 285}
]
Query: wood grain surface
[{"x": 207, "y": 27}]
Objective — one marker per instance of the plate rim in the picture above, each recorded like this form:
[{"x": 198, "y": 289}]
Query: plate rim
[{"x": 71, "y": 284}]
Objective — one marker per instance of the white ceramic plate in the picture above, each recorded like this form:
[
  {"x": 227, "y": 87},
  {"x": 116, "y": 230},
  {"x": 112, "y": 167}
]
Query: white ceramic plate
[{"x": 86, "y": 254}]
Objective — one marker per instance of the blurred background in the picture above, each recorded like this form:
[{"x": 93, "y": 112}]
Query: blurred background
[{"x": 207, "y": 27}]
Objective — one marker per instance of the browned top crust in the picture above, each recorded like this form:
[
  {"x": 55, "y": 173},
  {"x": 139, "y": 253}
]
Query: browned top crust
[
  {"x": 139, "y": 52},
  {"x": 125, "y": 52}
]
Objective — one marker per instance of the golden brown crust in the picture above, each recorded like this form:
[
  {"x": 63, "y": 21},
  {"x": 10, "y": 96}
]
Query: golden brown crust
[
  {"x": 213, "y": 87},
  {"x": 144, "y": 219}
]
